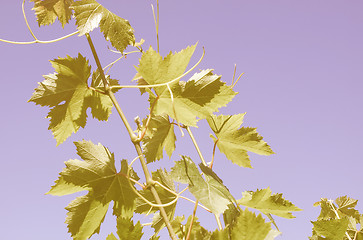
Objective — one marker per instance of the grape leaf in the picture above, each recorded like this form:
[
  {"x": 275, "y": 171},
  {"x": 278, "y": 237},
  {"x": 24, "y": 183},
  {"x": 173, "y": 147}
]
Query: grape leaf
[
  {"x": 197, "y": 232},
  {"x": 85, "y": 215},
  {"x": 68, "y": 95},
  {"x": 47, "y": 11},
  {"x": 345, "y": 206},
  {"x": 202, "y": 95},
  {"x": 210, "y": 192},
  {"x": 234, "y": 142},
  {"x": 160, "y": 135},
  {"x": 333, "y": 229},
  {"x": 90, "y": 14},
  {"x": 267, "y": 203},
  {"x": 127, "y": 230},
  {"x": 111, "y": 236},
  {"x": 249, "y": 226},
  {"x": 97, "y": 173},
  {"x": 155, "y": 70}
]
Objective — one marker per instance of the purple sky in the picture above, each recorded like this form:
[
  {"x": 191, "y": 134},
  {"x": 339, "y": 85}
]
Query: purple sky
[{"x": 302, "y": 89}]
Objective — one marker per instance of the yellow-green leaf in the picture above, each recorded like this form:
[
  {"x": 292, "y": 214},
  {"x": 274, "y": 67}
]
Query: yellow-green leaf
[
  {"x": 235, "y": 142},
  {"x": 68, "y": 95},
  {"x": 90, "y": 14},
  {"x": 47, "y": 11},
  {"x": 97, "y": 174},
  {"x": 160, "y": 136},
  {"x": 199, "y": 97},
  {"x": 268, "y": 203}
]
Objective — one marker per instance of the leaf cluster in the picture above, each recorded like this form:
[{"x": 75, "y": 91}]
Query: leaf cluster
[
  {"x": 173, "y": 102},
  {"x": 338, "y": 220}
]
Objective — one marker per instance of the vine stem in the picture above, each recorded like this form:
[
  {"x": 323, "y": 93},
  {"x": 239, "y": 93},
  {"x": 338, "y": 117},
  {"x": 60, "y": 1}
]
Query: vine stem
[
  {"x": 134, "y": 140},
  {"x": 156, "y": 20},
  {"x": 192, "y": 220},
  {"x": 40, "y": 41},
  {"x": 196, "y": 146}
]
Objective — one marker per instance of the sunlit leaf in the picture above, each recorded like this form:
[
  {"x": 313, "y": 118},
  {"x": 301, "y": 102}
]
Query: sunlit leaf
[
  {"x": 47, "y": 11},
  {"x": 156, "y": 70},
  {"x": 85, "y": 215},
  {"x": 199, "y": 97},
  {"x": 68, "y": 95},
  {"x": 90, "y": 14},
  {"x": 210, "y": 192},
  {"x": 268, "y": 203},
  {"x": 96, "y": 173},
  {"x": 235, "y": 142}
]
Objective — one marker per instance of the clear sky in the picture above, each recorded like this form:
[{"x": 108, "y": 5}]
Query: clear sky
[{"x": 302, "y": 89}]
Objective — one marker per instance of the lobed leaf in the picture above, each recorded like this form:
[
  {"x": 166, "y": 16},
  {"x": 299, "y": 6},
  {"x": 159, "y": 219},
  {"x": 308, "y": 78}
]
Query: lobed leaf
[
  {"x": 344, "y": 206},
  {"x": 268, "y": 203},
  {"x": 96, "y": 173},
  {"x": 197, "y": 232},
  {"x": 249, "y": 226},
  {"x": 160, "y": 136},
  {"x": 85, "y": 215},
  {"x": 333, "y": 229},
  {"x": 69, "y": 97},
  {"x": 155, "y": 70},
  {"x": 90, "y": 14},
  {"x": 210, "y": 192},
  {"x": 235, "y": 142},
  {"x": 199, "y": 97},
  {"x": 127, "y": 230},
  {"x": 47, "y": 11}
]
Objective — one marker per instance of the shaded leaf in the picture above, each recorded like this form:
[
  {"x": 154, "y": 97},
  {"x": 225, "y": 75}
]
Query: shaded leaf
[
  {"x": 344, "y": 206},
  {"x": 47, "y": 11},
  {"x": 111, "y": 237},
  {"x": 90, "y": 14},
  {"x": 333, "y": 229},
  {"x": 249, "y": 226},
  {"x": 165, "y": 196},
  {"x": 197, "y": 233},
  {"x": 127, "y": 230},
  {"x": 210, "y": 192},
  {"x": 85, "y": 215},
  {"x": 160, "y": 136},
  {"x": 235, "y": 142},
  {"x": 268, "y": 203}
]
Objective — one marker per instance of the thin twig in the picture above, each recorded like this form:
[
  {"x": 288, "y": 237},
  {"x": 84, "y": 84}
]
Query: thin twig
[
  {"x": 214, "y": 152},
  {"x": 234, "y": 73},
  {"x": 237, "y": 80},
  {"x": 40, "y": 41},
  {"x": 192, "y": 220},
  {"x": 218, "y": 222},
  {"x": 196, "y": 146},
  {"x": 26, "y": 21},
  {"x": 174, "y": 111},
  {"x": 156, "y": 21}
]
